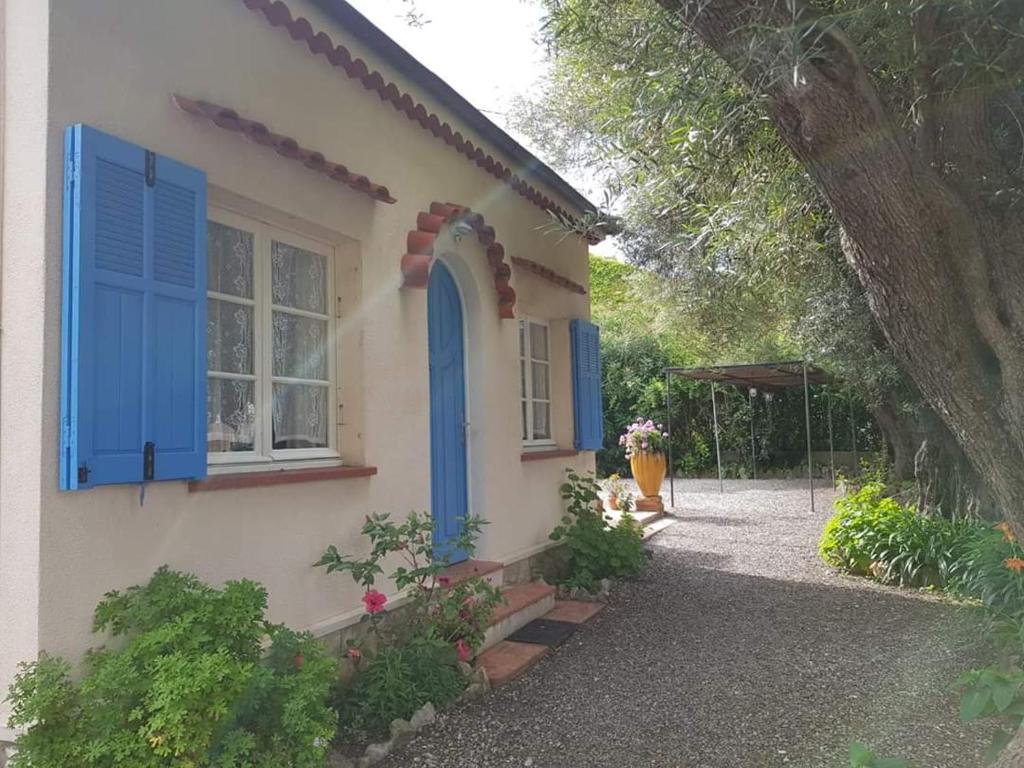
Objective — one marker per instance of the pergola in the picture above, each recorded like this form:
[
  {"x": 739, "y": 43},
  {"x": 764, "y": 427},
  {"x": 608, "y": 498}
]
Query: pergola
[{"x": 754, "y": 377}]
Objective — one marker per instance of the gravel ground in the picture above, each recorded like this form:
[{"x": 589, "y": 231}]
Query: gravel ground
[{"x": 735, "y": 648}]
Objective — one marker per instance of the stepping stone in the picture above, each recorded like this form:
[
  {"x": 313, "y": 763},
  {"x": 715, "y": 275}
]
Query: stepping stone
[
  {"x": 574, "y": 611},
  {"x": 545, "y": 631}
]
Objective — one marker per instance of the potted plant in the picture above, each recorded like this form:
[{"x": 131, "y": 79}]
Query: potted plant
[
  {"x": 645, "y": 444},
  {"x": 618, "y": 497}
]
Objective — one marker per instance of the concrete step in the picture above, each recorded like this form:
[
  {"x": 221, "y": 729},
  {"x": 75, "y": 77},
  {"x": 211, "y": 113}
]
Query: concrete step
[
  {"x": 507, "y": 660},
  {"x": 523, "y": 603},
  {"x": 489, "y": 570}
]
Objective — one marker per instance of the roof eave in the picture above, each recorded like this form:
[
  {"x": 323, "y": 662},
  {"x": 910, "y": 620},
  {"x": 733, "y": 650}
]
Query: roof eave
[{"x": 371, "y": 35}]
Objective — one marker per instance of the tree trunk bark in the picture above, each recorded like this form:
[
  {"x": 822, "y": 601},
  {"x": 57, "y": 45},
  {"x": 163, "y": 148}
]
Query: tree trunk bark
[{"x": 900, "y": 433}]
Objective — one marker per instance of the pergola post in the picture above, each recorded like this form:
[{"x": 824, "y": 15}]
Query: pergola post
[
  {"x": 753, "y": 440},
  {"x": 718, "y": 447},
  {"x": 831, "y": 445},
  {"x": 807, "y": 415},
  {"x": 668, "y": 422},
  {"x": 853, "y": 438}
]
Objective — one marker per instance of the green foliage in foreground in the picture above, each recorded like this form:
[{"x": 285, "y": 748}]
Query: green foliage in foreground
[
  {"x": 596, "y": 551},
  {"x": 188, "y": 688},
  {"x": 395, "y": 682},
  {"x": 876, "y": 536}
]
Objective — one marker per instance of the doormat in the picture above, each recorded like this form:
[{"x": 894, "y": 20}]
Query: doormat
[{"x": 544, "y": 632}]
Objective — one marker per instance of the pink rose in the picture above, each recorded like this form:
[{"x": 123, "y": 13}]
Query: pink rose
[
  {"x": 374, "y": 601},
  {"x": 463, "y": 649},
  {"x": 355, "y": 654}
]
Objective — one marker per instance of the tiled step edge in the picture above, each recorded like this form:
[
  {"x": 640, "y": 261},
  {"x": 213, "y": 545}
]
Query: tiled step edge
[
  {"x": 523, "y": 604},
  {"x": 489, "y": 570}
]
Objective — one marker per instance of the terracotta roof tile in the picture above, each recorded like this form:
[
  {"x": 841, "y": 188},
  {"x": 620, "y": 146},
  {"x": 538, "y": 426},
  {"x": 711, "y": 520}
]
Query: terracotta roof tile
[
  {"x": 549, "y": 274},
  {"x": 278, "y": 14},
  {"x": 286, "y": 146}
]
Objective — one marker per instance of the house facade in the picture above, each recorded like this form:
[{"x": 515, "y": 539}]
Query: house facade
[{"x": 264, "y": 274}]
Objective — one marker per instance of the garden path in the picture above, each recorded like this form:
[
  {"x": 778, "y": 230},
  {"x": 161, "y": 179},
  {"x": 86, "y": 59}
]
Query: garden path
[{"x": 737, "y": 648}]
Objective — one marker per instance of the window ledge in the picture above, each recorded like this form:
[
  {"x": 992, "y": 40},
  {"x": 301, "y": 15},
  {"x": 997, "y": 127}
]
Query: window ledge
[
  {"x": 235, "y": 480},
  {"x": 550, "y": 453}
]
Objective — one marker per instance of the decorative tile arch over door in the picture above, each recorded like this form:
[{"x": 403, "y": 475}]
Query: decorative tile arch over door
[{"x": 419, "y": 256}]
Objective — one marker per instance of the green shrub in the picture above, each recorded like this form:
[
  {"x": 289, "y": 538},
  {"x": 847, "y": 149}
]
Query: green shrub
[
  {"x": 874, "y": 535},
  {"x": 395, "y": 681},
  {"x": 596, "y": 551},
  {"x": 413, "y": 653},
  {"x": 189, "y": 687},
  {"x": 457, "y": 615}
]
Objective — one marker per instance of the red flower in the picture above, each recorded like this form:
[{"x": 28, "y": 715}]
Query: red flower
[
  {"x": 444, "y": 581},
  {"x": 355, "y": 654},
  {"x": 374, "y": 601},
  {"x": 463, "y": 649}
]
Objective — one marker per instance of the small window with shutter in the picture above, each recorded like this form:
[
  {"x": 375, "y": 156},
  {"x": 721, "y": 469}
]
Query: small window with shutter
[
  {"x": 133, "y": 361},
  {"x": 588, "y": 412}
]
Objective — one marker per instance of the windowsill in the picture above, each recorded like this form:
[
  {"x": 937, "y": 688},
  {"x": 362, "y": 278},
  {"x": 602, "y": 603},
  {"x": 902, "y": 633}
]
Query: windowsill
[
  {"x": 284, "y": 476},
  {"x": 548, "y": 453}
]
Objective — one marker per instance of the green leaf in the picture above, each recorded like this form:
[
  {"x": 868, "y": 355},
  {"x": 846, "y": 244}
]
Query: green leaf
[
  {"x": 860, "y": 755},
  {"x": 973, "y": 703},
  {"x": 1003, "y": 695}
]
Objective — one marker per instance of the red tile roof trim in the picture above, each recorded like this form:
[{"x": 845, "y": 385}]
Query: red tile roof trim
[
  {"x": 549, "y": 274},
  {"x": 419, "y": 254},
  {"x": 278, "y": 14},
  {"x": 230, "y": 120}
]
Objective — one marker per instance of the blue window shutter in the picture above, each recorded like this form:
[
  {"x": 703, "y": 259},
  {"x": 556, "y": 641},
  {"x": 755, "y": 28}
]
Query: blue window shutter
[
  {"x": 586, "y": 385},
  {"x": 178, "y": 322},
  {"x": 133, "y": 321}
]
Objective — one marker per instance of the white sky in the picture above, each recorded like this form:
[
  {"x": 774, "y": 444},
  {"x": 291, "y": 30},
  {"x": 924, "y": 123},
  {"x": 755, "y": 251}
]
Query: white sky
[{"x": 487, "y": 50}]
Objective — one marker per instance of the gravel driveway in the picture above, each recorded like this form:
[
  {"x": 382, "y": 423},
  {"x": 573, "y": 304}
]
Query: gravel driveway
[{"x": 735, "y": 648}]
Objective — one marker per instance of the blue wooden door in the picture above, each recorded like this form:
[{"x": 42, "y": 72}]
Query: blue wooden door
[{"x": 448, "y": 491}]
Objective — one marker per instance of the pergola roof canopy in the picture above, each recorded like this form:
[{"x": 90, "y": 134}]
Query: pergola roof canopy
[{"x": 766, "y": 376}]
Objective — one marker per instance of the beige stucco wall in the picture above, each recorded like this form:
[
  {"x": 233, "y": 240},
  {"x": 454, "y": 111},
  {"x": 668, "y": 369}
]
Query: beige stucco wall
[{"x": 114, "y": 64}]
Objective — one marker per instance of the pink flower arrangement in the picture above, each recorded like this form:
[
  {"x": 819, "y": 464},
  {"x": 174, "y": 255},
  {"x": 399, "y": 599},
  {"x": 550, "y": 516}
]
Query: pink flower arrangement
[
  {"x": 463, "y": 649},
  {"x": 374, "y": 601},
  {"x": 644, "y": 436}
]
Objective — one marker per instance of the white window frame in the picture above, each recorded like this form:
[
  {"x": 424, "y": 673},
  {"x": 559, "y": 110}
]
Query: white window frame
[
  {"x": 526, "y": 360},
  {"x": 264, "y": 455}
]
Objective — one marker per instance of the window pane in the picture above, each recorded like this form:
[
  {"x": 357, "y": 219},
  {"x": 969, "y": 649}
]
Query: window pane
[
  {"x": 229, "y": 337},
  {"x": 541, "y": 421},
  {"x": 230, "y": 416},
  {"x": 522, "y": 378},
  {"x": 298, "y": 278},
  {"x": 300, "y": 347},
  {"x": 522, "y": 338},
  {"x": 300, "y": 416},
  {"x": 538, "y": 341},
  {"x": 526, "y": 435},
  {"x": 540, "y": 380},
  {"x": 229, "y": 260}
]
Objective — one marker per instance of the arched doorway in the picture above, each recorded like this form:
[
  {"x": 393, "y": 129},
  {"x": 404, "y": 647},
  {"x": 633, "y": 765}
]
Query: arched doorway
[{"x": 449, "y": 495}]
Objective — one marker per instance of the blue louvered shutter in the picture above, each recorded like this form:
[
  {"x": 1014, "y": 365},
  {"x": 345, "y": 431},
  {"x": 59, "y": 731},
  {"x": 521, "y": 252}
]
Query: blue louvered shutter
[
  {"x": 133, "y": 367},
  {"x": 586, "y": 385}
]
